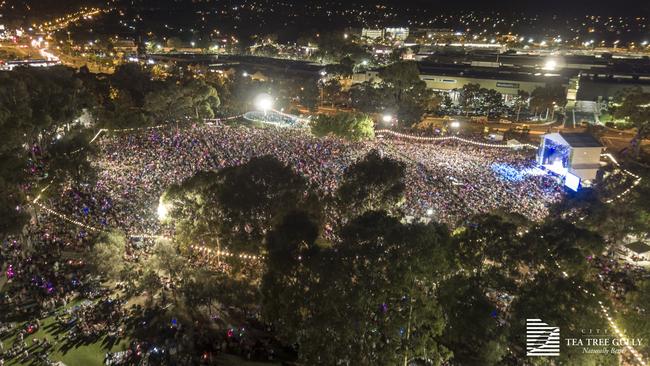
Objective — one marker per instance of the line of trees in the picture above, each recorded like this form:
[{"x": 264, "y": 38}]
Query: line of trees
[{"x": 634, "y": 106}]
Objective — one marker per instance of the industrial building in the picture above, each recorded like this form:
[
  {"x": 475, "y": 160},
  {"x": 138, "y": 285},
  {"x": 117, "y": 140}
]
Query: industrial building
[{"x": 449, "y": 78}]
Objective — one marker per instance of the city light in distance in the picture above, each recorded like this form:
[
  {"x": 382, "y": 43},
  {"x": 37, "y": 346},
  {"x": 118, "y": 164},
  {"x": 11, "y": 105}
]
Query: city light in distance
[{"x": 387, "y": 118}]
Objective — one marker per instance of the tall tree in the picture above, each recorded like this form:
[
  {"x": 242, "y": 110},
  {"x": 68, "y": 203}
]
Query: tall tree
[
  {"x": 561, "y": 243},
  {"x": 353, "y": 126},
  {"x": 178, "y": 101},
  {"x": 488, "y": 247},
  {"x": 469, "y": 96},
  {"x": 107, "y": 254},
  {"x": 14, "y": 213},
  {"x": 547, "y": 98},
  {"x": 473, "y": 333},
  {"x": 521, "y": 101},
  {"x": 568, "y": 303},
  {"x": 634, "y": 319},
  {"x": 238, "y": 204},
  {"x": 370, "y": 301},
  {"x": 634, "y": 106},
  {"x": 68, "y": 158},
  {"x": 373, "y": 183}
]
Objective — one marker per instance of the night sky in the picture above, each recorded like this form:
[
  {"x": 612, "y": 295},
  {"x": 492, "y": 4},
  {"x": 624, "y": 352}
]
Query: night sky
[
  {"x": 573, "y": 7},
  {"x": 601, "y": 7}
]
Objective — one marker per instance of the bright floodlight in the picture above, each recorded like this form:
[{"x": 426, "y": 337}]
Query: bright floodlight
[
  {"x": 550, "y": 64},
  {"x": 387, "y": 118},
  {"x": 162, "y": 210},
  {"x": 264, "y": 102},
  {"x": 455, "y": 124}
]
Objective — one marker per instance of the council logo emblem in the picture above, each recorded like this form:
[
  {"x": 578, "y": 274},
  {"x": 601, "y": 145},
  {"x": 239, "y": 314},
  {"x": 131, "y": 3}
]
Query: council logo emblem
[{"x": 542, "y": 339}]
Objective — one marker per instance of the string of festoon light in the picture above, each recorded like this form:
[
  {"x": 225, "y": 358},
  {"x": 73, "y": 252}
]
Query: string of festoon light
[
  {"x": 224, "y": 253},
  {"x": 605, "y": 313},
  {"x": 637, "y": 179},
  {"x": 444, "y": 138},
  {"x": 207, "y": 121},
  {"x": 620, "y": 334}
]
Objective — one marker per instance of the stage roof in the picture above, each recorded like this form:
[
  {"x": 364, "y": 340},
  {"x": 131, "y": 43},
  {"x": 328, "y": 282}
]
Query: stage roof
[
  {"x": 574, "y": 139},
  {"x": 580, "y": 139}
]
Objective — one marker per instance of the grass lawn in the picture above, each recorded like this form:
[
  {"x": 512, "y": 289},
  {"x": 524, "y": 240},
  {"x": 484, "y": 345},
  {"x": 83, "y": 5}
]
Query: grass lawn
[
  {"x": 80, "y": 354},
  {"x": 228, "y": 360}
]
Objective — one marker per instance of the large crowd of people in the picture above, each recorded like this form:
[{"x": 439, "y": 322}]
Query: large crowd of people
[
  {"x": 453, "y": 180},
  {"x": 445, "y": 181}
]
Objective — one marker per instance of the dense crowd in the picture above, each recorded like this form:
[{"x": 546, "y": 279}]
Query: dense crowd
[
  {"x": 445, "y": 181},
  {"x": 453, "y": 180}
]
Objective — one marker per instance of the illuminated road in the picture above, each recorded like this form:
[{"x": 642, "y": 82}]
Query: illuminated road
[{"x": 48, "y": 55}]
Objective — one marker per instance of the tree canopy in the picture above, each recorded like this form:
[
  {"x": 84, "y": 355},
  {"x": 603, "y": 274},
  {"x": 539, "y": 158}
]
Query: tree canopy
[
  {"x": 634, "y": 106},
  {"x": 400, "y": 92},
  {"x": 352, "y": 126},
  {"x": 237, "y": 204},
  {"x": 373, "y": 183},
  {"x": 380, "y": 277}
]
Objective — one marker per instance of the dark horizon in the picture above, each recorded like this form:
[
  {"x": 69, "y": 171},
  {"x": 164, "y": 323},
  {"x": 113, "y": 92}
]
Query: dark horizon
[
  {"x": 547, "y": 7},
  {"x": 544, "y": 8}
]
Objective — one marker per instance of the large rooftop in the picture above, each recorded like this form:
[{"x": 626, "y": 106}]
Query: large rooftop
[{"x": 580, "y": 139}]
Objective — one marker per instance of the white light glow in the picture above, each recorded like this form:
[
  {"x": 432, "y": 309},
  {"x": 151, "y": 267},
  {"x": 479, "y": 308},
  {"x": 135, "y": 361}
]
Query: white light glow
[
  {"x": 550, "y": 65},
  {"x": 264, "y": 102},
  {"x": 162, "y": 211}
]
